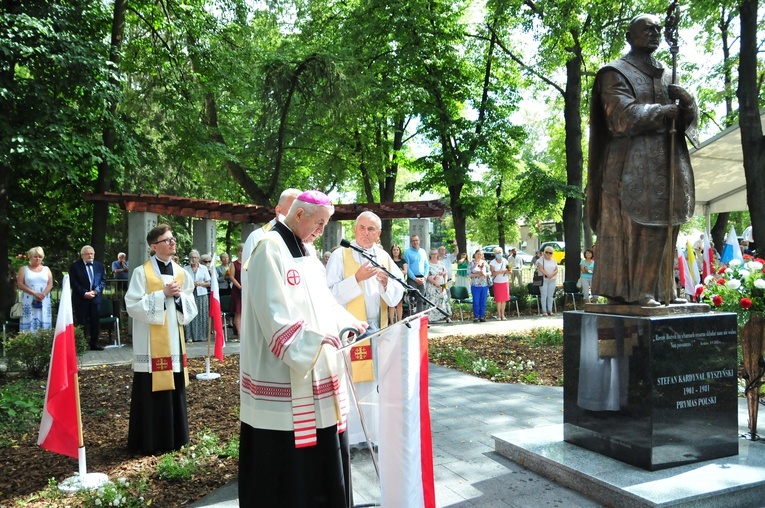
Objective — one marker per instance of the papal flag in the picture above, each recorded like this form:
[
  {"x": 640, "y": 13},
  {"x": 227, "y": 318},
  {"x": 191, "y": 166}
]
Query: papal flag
[
  {"x": 60, "y": 427},
  {"x": 731, "y": 250}
]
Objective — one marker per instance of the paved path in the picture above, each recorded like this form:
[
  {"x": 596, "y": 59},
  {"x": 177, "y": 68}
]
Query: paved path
[{"x": 465, "y": 412}]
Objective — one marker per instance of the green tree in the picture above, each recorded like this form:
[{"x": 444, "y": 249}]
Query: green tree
[{"x": 54, "y": 81}]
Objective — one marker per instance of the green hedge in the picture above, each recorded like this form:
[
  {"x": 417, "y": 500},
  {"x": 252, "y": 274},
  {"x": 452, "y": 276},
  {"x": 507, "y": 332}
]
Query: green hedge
[{"x": 31, "y": 351}]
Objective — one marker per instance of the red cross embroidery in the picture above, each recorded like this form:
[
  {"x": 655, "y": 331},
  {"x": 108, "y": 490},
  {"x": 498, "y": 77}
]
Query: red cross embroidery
[{"x": 293, "y": 277}]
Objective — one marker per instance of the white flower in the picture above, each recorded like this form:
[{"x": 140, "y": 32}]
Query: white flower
[
  {"x": 728, "y": 272},
  {"x": 734, "y": 262},
  {"x": 733, "y": 284},
  {"x": 754, "y": 266},
  {"x": 709, "y": 279},
  {"x": 743, "y": 273},
  {"x": 759, "y": 283}
]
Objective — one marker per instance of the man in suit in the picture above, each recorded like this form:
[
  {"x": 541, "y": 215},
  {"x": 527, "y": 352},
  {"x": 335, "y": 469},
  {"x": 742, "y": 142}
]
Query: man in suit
[{"x": 88, "y": 279}]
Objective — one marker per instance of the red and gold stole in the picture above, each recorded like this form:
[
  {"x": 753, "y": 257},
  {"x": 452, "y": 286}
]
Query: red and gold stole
[{"x": 159, "y": 336}]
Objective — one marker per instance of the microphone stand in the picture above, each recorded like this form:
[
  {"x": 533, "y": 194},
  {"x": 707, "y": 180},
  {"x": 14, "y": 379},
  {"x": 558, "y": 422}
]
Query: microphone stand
[{"x": 406, "y": 285}]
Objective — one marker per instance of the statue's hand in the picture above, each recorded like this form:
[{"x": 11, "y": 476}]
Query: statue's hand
[
  {"x": 678, "y": 93},
  {"x": 670, "y": 112}
]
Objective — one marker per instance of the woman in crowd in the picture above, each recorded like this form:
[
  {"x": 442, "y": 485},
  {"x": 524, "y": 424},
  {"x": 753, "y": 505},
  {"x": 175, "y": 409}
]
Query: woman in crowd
[
  {"x": 196, "y": 331},
  {"x": 463, "y": 263},
  {"x": 224, "y": 286},
  {"x": 35, "y": 281},
  {"x": 500, "y": 275},
  {"x": 587, "y": 267},
  {"x": 397, "y": 312},
  {"x": 234, "y": 276},
  {"x": 435, "y": 288},
  {"x": 478, "y": 271},
  {"x": 548, "y": 268}
]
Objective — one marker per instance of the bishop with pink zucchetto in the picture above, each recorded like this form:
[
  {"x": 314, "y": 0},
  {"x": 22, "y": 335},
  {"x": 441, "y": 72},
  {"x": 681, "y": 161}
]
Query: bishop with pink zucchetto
[{"x": 293, "y": 398}]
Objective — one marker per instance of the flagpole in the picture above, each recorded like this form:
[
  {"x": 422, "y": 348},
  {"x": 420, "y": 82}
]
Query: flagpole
[
  {"x": 670, "y": 34},
  {"x": 207, "y": 375},
  {"x": 63, "y": 342}
]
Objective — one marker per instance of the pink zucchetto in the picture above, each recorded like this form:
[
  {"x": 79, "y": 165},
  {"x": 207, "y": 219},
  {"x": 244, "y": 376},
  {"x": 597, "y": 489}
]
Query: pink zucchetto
[{"x": 314, "y": 197}]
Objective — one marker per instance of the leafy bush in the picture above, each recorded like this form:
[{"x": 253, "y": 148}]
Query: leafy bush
[
  {"x": 545, "y": 337},
  {"x": 175, "y": 468},
  {"x": 31, "y": 351},
  {"x": 21, "y": 404}
]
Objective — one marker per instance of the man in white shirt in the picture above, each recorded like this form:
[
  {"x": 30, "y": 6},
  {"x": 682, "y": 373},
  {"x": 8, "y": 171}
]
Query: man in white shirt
[
  {"x": 366, "y": 292},
  {"x": 516, "y": 262}
]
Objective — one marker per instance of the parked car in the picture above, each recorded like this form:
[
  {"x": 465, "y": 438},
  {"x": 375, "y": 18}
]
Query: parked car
[
  {"x": 525, "y": 256},
  {"x": 559, "y": 250},
  {"x": 488, "y": 252}
]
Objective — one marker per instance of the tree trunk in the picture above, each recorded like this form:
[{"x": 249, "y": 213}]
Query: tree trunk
[
  {"x": 103, "y": 180},
  {"x": 572, "y": 209},
  {"x": 752, "y": 141},
  {"x": 719, "y": 230}
]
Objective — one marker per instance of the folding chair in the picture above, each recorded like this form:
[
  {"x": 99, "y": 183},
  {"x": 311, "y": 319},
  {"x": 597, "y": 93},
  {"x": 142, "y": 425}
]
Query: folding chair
[
  {"x": 460, "y": 295},
  {"x": 225, "y": 307},
  {"x": 537, "y": 293},
  {"x": 569, "y": 288},
  {"x": 108, "y": 318}
]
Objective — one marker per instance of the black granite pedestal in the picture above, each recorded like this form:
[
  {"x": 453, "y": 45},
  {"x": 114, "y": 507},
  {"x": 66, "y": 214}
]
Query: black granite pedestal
[{"x": 651, "y": 391}]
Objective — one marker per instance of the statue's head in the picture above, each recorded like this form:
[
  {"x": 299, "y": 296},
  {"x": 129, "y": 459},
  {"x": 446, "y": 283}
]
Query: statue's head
[{"x": 644, "y": 33}]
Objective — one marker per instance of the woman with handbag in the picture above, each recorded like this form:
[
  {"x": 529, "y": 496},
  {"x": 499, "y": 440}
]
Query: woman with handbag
[
  {"x": 547, "y": 268},
  {"x": 35, "y": 281}
]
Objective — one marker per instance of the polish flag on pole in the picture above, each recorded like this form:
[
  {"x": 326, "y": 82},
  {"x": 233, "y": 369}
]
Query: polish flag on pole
[
  {"x": 215, "y": 313},
  {"x": 706, "y": 259},
  {"x": 406, "y": 447},
  {"x": 61, "y": 427}
]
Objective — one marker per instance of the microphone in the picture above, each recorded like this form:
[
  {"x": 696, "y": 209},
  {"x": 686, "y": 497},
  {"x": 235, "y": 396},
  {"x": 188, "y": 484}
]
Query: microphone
[{"x": 345, "y": 243}]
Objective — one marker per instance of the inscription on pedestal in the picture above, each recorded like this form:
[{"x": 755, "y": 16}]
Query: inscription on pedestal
[{"x": 651, "y": 391}]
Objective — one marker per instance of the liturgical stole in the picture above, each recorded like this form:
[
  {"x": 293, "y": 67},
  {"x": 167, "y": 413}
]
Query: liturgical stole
[
  {"x": 159, "y": 337},
  {"x": 362, "y": 367}
]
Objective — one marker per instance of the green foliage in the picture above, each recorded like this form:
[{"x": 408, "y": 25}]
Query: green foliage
[
  {"x": 121, "y": 493},
  {"x": 31, "y": 351},
  {"x": 232, "y": 448},
  {"x": 21, "y": 404},
  {"x": 548, "y": 337},
  {"x": 175, "y": 468},
  {"x": 204, "y": 445},
  {"x": 515, "y": 369}
]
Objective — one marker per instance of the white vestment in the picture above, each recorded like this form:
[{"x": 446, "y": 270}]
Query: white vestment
[
  {"x": 153, "y": 309},
  {"x": 346, "y": 289},
  {"x": 289, "y": 379}
]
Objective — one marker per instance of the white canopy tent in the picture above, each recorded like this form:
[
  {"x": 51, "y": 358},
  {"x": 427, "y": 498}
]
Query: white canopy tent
[{"x": 718, "y": 168}]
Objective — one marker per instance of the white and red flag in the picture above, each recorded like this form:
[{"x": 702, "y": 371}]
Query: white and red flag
[
  {"x": 215, "y": 313},
  {"x": 60, "y": 425},
  {"x": 707, "y": 264},
  {"x": 406, "y": 447}
]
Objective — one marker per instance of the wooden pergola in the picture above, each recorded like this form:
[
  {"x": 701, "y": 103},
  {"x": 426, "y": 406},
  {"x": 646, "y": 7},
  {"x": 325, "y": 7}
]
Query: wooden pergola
[{"x": 238, "y": 212}]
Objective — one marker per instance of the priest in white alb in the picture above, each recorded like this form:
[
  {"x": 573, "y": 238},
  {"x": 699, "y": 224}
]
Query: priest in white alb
[
  {"x": 366, "y": 292},
  {"x": 160, "y": 299}
]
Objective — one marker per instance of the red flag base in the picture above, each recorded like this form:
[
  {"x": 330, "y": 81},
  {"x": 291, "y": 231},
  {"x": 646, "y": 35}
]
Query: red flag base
[{"x": 207, "y": 375}]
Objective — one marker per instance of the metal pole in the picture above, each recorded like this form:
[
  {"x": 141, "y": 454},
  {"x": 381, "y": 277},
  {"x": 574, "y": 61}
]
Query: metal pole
[{"x": 670, "y": 34}]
